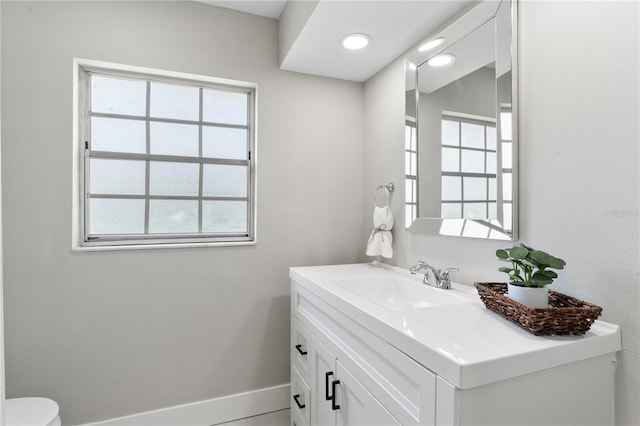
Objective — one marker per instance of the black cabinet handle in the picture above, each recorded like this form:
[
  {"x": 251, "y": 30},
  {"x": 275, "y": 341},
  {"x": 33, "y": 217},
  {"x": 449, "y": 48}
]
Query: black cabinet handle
[
  {"x": 295, "y": 398},
  {"x": 326, "y": 385},
  {"x": 334, "y": 406},
  {"x": 328, "y": 397},
  {"x": 299, "y": 348}
]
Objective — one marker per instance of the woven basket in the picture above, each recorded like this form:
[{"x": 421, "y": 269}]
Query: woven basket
[{"x": 566, "y": 315}]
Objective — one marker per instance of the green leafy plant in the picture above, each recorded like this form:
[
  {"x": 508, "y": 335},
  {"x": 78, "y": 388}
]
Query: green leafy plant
[{"x": 530, "y": 267}]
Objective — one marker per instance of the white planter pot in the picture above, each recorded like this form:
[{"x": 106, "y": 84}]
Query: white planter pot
[{"x": 534, "y": 297}]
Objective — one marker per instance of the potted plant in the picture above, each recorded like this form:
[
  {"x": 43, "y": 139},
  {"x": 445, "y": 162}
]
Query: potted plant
[{"x": 529, "y": 273}]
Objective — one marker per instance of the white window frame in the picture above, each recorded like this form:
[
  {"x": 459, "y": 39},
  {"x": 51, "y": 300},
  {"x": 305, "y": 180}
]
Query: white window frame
[{"x": 80, "y": 240}]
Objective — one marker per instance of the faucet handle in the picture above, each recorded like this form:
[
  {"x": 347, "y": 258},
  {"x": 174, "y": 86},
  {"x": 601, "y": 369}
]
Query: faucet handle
[
  {"x": 415, "y": 268},
  {"x": 448, "y": 270},
  {"x": 445, "y": 281}
]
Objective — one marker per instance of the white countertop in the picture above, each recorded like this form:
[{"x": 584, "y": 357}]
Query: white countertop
[{"x": 464, "y": 343}]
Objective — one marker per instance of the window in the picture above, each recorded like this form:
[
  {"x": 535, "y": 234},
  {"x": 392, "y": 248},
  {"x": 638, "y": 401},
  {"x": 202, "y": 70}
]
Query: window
[
  {"x": 411, "y": 172},
  {"x": 506, "y": 138},
  {"x": 469, "y": 162},
  {"x": 166, "y": 158}
]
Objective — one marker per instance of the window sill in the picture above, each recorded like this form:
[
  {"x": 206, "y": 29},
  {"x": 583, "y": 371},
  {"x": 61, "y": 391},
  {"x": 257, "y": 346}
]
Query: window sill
[{"x": 79, "y": 248}]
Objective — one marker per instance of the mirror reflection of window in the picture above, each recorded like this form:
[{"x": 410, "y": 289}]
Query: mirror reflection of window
[
  {"x": 411, "y": 172},
  {"x": 506, "y": 142},
  {"x": 468, "y": 169}
]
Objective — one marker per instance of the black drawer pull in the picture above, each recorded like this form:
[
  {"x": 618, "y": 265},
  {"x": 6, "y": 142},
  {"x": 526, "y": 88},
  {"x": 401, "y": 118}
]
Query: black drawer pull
[
  {"x": 300, "y": 351},
  {"x": 326, "y": 385},
  {"x": 334, "y": 406},
  {"x": 300, "y": 406}
]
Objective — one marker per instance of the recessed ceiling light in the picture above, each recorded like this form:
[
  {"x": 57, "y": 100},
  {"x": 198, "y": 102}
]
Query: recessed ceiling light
[
  {"x": 431, "y": 44},
  {"x": 441, "y": 60},
  {"x": 355, "y": 41}
]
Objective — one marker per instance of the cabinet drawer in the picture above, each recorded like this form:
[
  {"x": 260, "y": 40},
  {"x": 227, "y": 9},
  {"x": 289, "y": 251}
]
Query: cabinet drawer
[
  {"x": 300, "y": 338},
  {"x": 300, "y": 398}
]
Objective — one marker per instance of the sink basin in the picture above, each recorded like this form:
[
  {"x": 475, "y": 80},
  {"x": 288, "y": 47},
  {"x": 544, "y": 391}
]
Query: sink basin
[{"x": 397, "y": 293}]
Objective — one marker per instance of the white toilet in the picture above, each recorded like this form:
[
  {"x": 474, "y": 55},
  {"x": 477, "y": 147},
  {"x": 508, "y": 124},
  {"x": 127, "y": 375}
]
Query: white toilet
[{"x": 31, "y": 412}]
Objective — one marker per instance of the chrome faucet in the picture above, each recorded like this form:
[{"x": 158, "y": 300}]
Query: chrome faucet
[{"x": 441, "y": 276}]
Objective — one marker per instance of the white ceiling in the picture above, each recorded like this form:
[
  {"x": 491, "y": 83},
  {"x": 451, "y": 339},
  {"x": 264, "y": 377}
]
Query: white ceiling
[
  {"x": 393, "y": 25},
  {"x": 268, "y": 8}
]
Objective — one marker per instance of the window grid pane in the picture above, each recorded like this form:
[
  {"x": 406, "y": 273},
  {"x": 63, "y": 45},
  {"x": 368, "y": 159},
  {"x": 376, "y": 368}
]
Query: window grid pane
[
  {"x": 117, "y": 216},
  {"x": 167, "y": 178},
  {"x": 174, "y": 139},
  {"x": 122, "y": 177},
  {"x": 115, "y": 95},
  {"x": 173, "y": 216},
  {"x": 174, "y": 101},
  {"x": 118, "y": 135},
  {"x": 172, "y": 192}
]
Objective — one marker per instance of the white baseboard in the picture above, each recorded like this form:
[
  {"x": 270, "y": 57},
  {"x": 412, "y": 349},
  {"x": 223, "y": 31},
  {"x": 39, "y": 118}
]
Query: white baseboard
[{"x": 211, "y": 411}]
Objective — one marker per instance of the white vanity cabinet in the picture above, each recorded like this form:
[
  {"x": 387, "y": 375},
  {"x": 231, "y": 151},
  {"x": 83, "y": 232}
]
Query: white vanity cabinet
[
  {"x": 359, "y": 363},
  {"x": 347, "y": 365}
]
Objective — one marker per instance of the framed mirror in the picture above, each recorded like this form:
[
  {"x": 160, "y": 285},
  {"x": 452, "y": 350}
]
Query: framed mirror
[{"x": 461, "y": 144}]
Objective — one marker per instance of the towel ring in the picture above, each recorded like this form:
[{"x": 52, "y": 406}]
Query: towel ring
[{"x": 388, "y": 189}]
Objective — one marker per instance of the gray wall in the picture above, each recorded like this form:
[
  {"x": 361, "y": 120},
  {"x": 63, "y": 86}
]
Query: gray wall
[
  {"x": 579, "y": 165},
  {"x": 112, "y": 333}
]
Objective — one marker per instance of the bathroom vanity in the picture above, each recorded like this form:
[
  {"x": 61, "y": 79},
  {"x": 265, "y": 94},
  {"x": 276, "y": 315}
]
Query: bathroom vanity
[{"x": 372, "y": 345}]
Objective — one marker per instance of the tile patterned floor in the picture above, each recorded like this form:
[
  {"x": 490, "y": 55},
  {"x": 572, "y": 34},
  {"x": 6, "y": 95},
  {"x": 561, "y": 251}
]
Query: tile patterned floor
[{"x": 277, "y": 418}]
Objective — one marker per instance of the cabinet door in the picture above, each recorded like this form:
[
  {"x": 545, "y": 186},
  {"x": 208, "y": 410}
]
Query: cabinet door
[
  {"x": 323, "y": 368},
  {"x": 357, "y": 406}
]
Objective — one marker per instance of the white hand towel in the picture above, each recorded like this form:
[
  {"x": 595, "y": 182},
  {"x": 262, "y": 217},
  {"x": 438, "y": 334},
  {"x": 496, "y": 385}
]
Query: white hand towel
[{"x": 380, "y": 240}]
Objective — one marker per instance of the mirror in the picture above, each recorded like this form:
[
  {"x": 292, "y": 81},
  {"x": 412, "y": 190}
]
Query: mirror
[{"x": 461, "y": 169}]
